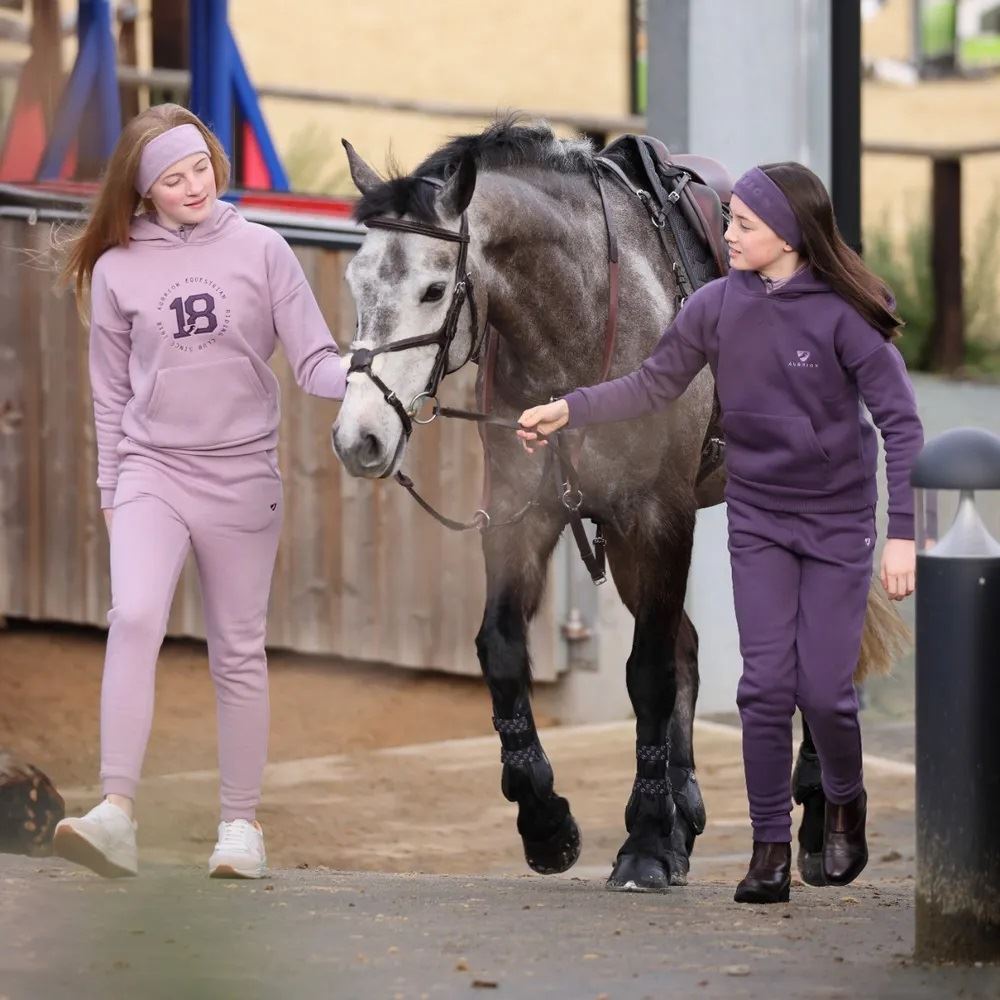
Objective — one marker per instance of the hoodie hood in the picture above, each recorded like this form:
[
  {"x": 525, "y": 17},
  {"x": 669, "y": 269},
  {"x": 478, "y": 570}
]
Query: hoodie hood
[
  {"x": 222, "y": 221},
  {"x": 804, "y": 282}
]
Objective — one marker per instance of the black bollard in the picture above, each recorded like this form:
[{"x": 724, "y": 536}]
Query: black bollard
[{"x": 958, "y": 698}]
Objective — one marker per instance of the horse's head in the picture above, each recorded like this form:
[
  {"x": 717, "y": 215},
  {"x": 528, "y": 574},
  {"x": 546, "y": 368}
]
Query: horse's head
[{"x": 417, "y": 316}]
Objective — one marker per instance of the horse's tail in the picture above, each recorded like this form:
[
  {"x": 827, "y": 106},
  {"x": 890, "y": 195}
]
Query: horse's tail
[{"x": 886, "y": 637}]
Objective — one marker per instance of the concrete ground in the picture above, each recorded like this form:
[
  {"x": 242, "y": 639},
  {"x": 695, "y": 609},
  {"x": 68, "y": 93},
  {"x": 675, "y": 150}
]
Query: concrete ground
[{"x": 344, "y": 915}]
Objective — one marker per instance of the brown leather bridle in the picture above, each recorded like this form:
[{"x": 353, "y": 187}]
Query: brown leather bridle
[
  {"x": 362, "y": 358},
  {"x": 561, "y": 456}
]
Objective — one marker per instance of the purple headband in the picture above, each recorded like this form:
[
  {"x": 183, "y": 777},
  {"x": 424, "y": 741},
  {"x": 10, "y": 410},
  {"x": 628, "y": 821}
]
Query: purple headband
[
  {"x": 764, "y": 198},
  {"x": 164, "y": 151}
]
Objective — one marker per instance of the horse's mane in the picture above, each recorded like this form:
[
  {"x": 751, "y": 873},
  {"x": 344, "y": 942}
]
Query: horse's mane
[{"x": 502, "y": 145}]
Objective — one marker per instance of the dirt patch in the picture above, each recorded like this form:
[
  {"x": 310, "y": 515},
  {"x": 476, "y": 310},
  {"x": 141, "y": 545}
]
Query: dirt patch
[{"x": 50, "y": 678}]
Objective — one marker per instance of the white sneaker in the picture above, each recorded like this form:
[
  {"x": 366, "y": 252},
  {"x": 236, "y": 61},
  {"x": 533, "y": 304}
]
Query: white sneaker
[
  {"x": 103, "y": 841},
  {"x": 239, "y": 852}
]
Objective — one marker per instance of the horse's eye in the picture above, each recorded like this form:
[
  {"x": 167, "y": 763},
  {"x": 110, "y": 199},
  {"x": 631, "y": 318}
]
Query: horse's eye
[{"x": 434, "y": 292}]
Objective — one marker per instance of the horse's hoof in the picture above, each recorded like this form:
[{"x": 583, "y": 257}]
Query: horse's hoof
[
  {"x": 636, "y": 873},
  {"x": 557, "y": 853},
  {"x": 810, "y": 864}
]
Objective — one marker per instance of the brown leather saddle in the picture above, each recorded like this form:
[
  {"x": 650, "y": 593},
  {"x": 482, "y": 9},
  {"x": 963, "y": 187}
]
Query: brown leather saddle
[
  {"x": 685, "y": 194},
  {"x": 688, "y": 196}
]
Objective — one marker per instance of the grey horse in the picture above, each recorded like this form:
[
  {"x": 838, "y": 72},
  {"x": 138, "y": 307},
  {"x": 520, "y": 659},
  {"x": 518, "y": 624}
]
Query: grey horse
[{"x": 537, "y": 257}]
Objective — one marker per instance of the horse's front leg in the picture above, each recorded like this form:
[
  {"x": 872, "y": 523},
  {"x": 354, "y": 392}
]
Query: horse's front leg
[
  {"x": 515, "y": 575},
  {"x": 651, "y": 575}
]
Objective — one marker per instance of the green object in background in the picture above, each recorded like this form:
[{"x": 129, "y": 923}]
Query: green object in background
[
  {"x": 641, "y": 85},
  {"x": 979, "y": 52},
  {"x": 937, "y": 28}
]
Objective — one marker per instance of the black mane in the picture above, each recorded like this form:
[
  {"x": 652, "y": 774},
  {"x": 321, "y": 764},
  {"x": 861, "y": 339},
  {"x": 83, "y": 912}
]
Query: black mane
[{"x": 504, "y": 144}]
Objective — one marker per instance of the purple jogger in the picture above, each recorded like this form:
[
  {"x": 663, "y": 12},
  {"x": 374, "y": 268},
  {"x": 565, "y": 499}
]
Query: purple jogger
[
  {"x": 228, "y": 509},
  {"x": 800, "y": 582}
]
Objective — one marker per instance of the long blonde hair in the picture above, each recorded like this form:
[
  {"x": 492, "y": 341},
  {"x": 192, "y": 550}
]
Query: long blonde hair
[{"x": 117, "y": 201}]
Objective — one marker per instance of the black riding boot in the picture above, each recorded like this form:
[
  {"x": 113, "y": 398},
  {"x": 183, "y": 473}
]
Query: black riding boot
[
  {"x": 845, "y": 849},
  {"x": 770, "y": 874}
]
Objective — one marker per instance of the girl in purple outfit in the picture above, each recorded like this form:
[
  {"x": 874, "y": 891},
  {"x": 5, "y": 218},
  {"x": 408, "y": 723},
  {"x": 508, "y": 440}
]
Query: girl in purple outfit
[
  {"x": 798, "y": 336},
  {"x": 187, "y": 303}
]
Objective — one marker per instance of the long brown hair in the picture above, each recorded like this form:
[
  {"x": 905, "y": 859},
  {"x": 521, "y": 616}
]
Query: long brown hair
[
  {"x": 826, "y": 252},
  {"x": 117, "y": 201}
]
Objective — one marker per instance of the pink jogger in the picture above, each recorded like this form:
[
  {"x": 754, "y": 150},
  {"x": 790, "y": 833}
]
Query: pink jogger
[{"x": 228, "y": 510}]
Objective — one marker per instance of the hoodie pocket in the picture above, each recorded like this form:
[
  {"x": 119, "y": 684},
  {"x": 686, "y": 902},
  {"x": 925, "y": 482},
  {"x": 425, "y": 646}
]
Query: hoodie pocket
[
  {"x": 775, "y": 451},
  {"x": 209, "y": 406}
]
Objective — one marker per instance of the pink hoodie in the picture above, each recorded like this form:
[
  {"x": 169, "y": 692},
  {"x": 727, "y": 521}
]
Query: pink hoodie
[{"x": 182, "y": 326}]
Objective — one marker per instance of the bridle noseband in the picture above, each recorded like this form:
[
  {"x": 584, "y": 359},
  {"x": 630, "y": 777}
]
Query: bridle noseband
[{"x": 362, "y": 358}]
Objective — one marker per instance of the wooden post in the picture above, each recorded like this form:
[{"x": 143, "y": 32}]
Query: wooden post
[
  {"x": 170, "y": 46},
  {"x": 127, "y": 56},
  {"x": 46, "y": 41},
  {"x": 947, "y": 348}
]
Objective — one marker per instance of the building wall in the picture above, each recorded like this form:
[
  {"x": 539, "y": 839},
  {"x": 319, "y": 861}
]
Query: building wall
[{"x": 561, "y": 55}]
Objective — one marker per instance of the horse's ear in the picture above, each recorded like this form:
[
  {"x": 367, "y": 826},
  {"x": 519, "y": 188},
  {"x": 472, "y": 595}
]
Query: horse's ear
[
  {"x": 457, "y": 192},
  {"x": 365, "y": 179}
]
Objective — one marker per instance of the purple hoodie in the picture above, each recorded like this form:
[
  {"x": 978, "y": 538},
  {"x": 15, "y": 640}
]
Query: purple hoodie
[
  {"x": 181, "y": 328},
  {"x": 792, "y": 367}
]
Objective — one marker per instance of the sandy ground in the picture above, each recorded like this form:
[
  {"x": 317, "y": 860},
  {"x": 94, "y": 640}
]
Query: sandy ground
[
  {"x": 50, "y": 679},
  {"x": 369, "y": 770}
]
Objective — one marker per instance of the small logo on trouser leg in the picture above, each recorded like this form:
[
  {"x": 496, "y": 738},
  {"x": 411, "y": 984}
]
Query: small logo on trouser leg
[
  {"x": 274, "y": 506},
  {"x": 868, "y": 541}
]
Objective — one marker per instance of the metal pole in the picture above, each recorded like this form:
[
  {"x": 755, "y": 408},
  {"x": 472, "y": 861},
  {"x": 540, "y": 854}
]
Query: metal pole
[
  {"x": 211, "y": 69},
  {"x": 958, "y": 781},
  {"x": 845, "y": 118},
  {"x": 958, "y": 699}
]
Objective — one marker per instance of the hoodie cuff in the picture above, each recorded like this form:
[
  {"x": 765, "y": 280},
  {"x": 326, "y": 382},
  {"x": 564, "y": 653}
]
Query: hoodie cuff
[
  {"x": 107, "y": 498},
  {"x": 579, "y": 409},
  {"x": 901, "y": 526}
]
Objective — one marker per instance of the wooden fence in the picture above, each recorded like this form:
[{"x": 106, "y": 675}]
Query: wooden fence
[{"x": 362, "y": 572}]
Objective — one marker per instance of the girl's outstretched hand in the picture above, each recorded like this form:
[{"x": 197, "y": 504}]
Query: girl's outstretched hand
[
  {"x": 540, "y": 421},
  {"x": 899, "y": 567}
]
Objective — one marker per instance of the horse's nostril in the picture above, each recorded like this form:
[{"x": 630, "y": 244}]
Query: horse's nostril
[{"x": 369, "y": 450}]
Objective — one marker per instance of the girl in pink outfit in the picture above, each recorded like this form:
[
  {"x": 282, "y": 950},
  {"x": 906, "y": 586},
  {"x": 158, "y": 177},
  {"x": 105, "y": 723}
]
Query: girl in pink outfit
[{"x": 187, "y": 303}]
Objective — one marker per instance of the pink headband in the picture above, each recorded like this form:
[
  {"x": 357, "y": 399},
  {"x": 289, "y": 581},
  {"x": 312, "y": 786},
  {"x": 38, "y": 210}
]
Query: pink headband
[
  {"x": 164, "y": 151},
  {"x": 764, "y": 198}
]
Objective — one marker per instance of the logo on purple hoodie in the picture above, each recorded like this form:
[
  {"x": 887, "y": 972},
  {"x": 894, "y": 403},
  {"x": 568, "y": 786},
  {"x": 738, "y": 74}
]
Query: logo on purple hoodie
[{"x": 803, "y": 360}]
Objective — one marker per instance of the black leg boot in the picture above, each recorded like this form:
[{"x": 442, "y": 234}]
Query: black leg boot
[
  {"x": 845, "y": 849},
  {"x": 807, "y": 791},
  {"x": 770, "y": 874}
]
